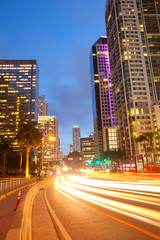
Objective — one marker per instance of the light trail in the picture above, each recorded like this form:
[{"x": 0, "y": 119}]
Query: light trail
[
  {"x": 120, "y": 186},
  {"x": 112, "y": 217},
  {"x": 146, "y": 215},
  {"x": 143, "y": 199}
]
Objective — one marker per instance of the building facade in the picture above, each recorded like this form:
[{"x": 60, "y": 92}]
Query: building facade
[
  {"x": 148, "y": 13},
  {"x": 50, "y": 149},
  {"x": 156, "y": 124},
  {"x": 19, "y": 89},
  {"x": 71, "y": 148},
  {"x": 133, "y": 88},
  {"x": 76, "y": 138},
  {"x": 102, "y": 96},
  {"x": 87, "y": 149},
  {"x": 42, "y": 106}
]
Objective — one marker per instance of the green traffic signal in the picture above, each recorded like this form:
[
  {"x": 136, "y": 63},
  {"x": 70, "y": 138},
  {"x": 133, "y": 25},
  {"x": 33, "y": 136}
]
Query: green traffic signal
[
  {"x": 89, "y": 162},
  {"x": 106, "y": 161},
  {"x": 98, "y": 162}
]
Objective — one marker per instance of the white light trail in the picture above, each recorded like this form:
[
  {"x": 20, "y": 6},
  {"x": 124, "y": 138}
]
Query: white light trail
[
  {"x": 143, "y": 214},
  {"x": 127, "y": 196},
  {"x": 137, "y": 188}
]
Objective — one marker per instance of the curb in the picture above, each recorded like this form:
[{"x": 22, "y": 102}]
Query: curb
[{"x": 62, "y": 233}]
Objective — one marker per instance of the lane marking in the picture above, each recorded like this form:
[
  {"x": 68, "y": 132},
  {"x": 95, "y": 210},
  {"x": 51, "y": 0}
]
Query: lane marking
[
  {"x": 61, "y": 231},
  {"x": 123, "y": 222}
]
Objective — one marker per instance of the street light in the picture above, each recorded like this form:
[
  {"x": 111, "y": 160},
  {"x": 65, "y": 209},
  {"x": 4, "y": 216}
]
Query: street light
[{"x": 51, "y": 139}]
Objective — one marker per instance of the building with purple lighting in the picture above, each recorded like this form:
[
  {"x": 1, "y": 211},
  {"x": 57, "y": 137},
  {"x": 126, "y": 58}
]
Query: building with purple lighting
[{"x": 102, "y": 98}]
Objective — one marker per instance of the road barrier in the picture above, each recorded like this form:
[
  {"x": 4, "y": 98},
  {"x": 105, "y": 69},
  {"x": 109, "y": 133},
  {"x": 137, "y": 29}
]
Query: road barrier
[{"x": 7, "y": 185}]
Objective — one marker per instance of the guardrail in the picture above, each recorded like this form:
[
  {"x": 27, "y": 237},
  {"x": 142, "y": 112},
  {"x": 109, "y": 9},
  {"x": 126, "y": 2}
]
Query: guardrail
[{"x": 7, "y": 185}]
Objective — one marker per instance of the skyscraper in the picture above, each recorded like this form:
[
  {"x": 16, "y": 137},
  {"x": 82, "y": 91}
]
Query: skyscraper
[
  {"x": 50, "y": 143},
  {"x": 76, "y": 138},
  {"x": 19, "y": 88},
  {"x": 87, "y": 149},
  {"x": 133, "y": 88},
  {"x": 42, "y": 106},
  {"x": 148, "y": 13},
  {"x": 102, "y": 98}
]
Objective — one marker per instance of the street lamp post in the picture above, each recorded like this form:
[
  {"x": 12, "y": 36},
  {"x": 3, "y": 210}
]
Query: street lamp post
[{"x": 51, "y": 139}]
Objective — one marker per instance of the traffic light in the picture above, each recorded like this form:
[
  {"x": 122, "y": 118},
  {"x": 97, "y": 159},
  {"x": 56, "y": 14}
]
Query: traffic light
[
  {"x": 89, "y": 162},
  {"x": 131, "y": 158},
  {"x": 98, "y": 162},
  {"x": 106, "y": 161}
]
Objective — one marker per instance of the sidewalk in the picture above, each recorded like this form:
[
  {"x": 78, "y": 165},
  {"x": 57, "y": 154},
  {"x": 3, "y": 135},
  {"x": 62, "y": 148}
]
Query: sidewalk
[{"x": 42, "y": 225}]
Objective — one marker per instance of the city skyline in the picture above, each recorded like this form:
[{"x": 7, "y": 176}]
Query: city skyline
[{"x": 60, "y": 42}]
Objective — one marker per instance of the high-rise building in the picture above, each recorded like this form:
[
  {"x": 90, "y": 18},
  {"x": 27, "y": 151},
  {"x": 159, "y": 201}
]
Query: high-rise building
[
  {"x": 71, "y": 148},
  {"x": 156, "y": 124},
  {"x": 102, "y": 97},
  {"x": 76, "y": 138},
  {"x": 130, "y": 43},
  {"x": 19, "y": 89},
  {"x": 87, "y": 149},
  {"x": 50, "y": 148},
  {"x": 42, "y": 106},
  {"x": 149, "y": 22}
]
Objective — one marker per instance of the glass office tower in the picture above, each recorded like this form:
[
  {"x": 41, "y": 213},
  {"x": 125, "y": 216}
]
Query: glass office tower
[
  {"x": 102, "y": 98},
  {"x": 76, "y": 138},
  {"x": 19, "y": 86}
]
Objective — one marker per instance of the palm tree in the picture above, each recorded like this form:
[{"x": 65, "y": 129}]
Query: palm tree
[
  {"x": 21, "y": 143},
  {"x": 4, "y": 147},
  {"x": 144, "y": 139},
  {"x": 31, "y": 137},
  {"x": 151, "y": 148},
  {"x": 157, "y": 135}
]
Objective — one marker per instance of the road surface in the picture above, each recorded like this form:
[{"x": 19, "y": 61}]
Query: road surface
[{"x": 92, "y": 209}]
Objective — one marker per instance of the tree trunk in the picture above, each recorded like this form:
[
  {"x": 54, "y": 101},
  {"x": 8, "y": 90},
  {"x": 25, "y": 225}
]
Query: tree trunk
[
  {"x": 135, "y": 162},
  {"x": 146, "y": 157},
  {"x": 154, "y": 159},
  {"x": 21, "y": 161},
  {"x": 27, "y": 160},
  {"x": 4, "y": 161}
]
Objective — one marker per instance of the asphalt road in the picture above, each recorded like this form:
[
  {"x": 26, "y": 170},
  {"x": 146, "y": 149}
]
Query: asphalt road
[{"x": 99, "y": 209}]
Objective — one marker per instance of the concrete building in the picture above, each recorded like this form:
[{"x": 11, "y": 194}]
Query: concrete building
[
  {"x": 102, "y": 97},
  {"x": 133, "y": 87},
  {"x": 148, "y": 13},
  {"x": 87, "y": 149},
  {"x": 42, "y": 106},
  {"x": 76, "y": 138},
  {"x": 19, "y": 89},
  {"x": 50, "y": 150},
  {"x": 71, "y": 148},
  {"x": 156, "y": 124}
]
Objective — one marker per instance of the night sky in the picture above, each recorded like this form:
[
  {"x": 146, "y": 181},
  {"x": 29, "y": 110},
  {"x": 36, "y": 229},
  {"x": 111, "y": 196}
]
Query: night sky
[{"x": 59, "y": 35}]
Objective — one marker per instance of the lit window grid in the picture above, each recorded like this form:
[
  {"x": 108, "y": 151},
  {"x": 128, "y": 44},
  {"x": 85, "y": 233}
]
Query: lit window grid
[
  {"x": 105, "y": 85},
  {"x": 12, "y": 76}
]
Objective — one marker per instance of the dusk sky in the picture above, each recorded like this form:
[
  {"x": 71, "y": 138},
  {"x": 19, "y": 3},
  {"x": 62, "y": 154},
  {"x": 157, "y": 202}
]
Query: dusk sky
[{"x": 59, "y": 35}]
